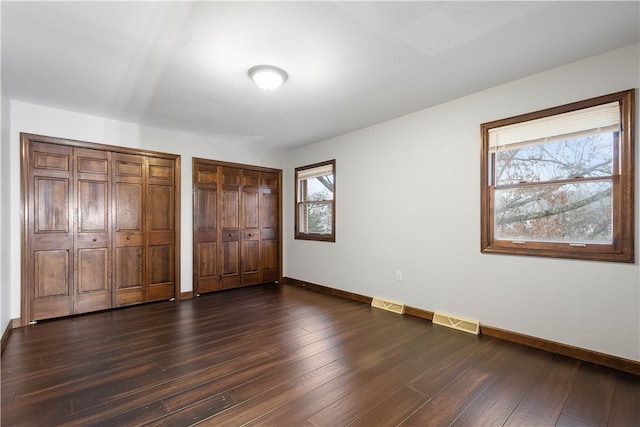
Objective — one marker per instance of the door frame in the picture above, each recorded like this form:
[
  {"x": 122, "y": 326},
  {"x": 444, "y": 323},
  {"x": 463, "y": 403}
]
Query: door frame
[{"x": 25, "y": 140}]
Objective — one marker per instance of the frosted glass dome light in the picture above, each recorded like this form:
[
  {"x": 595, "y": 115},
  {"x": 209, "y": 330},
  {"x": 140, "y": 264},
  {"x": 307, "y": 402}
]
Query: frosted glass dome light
[{"x": 268, "y": 77}]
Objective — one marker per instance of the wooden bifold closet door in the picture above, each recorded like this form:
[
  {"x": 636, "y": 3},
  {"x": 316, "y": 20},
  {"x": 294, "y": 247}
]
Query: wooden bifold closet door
[
  {"x": 98, "y": 227},
  {"x": 236, "y": 224},
  {"x": 144, "y": 229}
]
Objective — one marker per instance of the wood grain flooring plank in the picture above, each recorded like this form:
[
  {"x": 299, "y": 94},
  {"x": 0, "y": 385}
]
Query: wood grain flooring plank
[
  {"x": 55, "y": 403},
  {"x": 289, "y": 356},
  {"x": 249, "y": 383},
  {"x": 267, "y": 400},
  {"x": 371, "y": 362},
  {"x": 368, "y": 322},
  {"x": 180, "y": 392},
  {"x": 625, "y": 406},
  {"x": 31, "y": 415},
  {"x": 568, "y": 421},
  {"x": 479, "y": 372},
  {"x": 57, "y": 388},
  {"x": 177, "y": 381},
  {"x": 444, "y": 407},
  {"x": 352, "y": 405},
  {"x": 318, "y": 352},
  {"x": 513, "y": 380},
  {"x": 393, "y": 410},
  {"x": 168, "y": 382},
  {"x": 591, "y": 396},
  {"x": 451, "y": 362},
  {"x": 543, "y": 403},
  {"x": 319, "y": 349},
  {"x": 193, "y": 415},
  {"x": 134, "y": 417}
]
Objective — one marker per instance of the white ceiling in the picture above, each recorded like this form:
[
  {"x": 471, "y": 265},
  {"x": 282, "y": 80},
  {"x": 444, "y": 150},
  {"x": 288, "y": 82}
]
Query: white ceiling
[{"x": 183, "y": 65}]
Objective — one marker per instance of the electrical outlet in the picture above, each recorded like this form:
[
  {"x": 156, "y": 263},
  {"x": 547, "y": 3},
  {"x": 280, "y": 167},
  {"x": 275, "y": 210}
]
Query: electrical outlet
[{"x": 398, "y": 275}]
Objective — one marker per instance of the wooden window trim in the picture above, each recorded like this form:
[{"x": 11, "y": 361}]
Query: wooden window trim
[
  {"x": 331, "y": 237},
  {"x": 622, "y": 247}
]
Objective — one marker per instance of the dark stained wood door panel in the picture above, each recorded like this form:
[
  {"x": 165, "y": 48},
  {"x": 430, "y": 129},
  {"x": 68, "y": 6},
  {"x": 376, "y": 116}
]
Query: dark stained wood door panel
[
  {"x": 99, "y": 227},
  {"x": 92, "y": 237},
  {"x": 250, "y": 219},
  {"x": 205, "y": 220},
  {"x": 269, "y": 226},
  {"x": 230, "y": 227},
  {"x": 50, "y": 230},
  {"x": 129, "y": 239},
  {"x": 161, "y": 229},
  {"x": 237, "y": 225}
]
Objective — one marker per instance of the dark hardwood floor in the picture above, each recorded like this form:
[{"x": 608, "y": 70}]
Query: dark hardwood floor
[{"x": 283, "y": 355}]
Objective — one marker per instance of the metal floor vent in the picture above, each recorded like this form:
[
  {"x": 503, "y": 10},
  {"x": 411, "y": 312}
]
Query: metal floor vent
[
  {"x": 385, "y": 304},
  {"x": 456, "y": 322}
]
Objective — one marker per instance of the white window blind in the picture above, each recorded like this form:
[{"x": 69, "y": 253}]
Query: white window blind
[
  {"x": 316, "y": 172},
  {"x": 597, "y": 119}
]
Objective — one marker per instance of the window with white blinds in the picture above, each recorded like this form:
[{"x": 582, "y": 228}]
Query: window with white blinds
[
  {"x": 559, "y": 182},
  {"x": 315, "y": 201},
  {"x": 586, "y": 121}
]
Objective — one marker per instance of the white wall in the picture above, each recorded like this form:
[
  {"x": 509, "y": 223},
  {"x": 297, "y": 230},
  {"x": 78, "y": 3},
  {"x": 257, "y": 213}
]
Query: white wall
[
  {"x": 408, "y": 199},
  {"x": 41, "y": 120}
]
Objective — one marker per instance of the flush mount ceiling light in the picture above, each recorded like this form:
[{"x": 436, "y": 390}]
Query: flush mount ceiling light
[{"x": 267, "y": 77}]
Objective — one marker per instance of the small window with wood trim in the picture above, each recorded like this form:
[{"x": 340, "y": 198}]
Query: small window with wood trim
[
  {"x": 560, "y": 182},
  {"x": 315, "y": 201}
]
